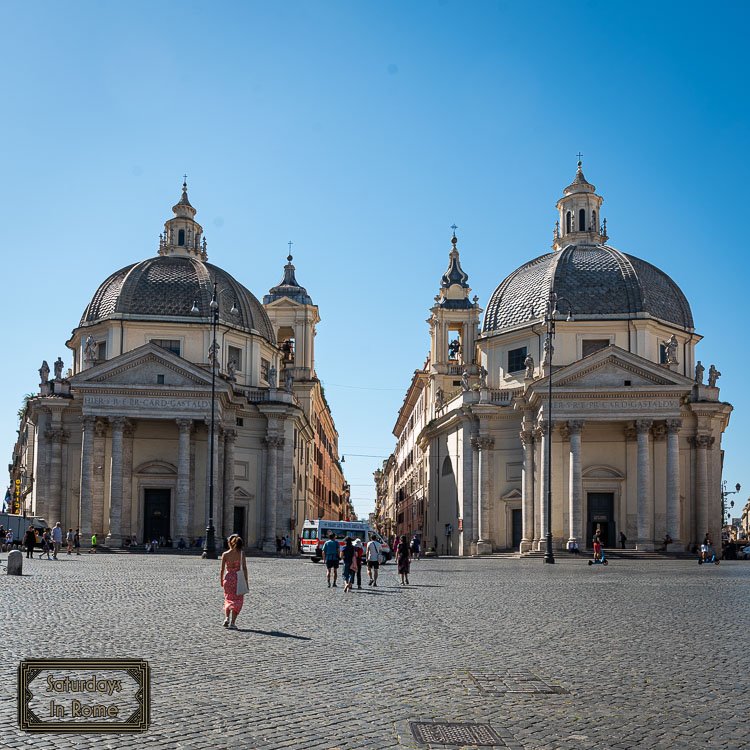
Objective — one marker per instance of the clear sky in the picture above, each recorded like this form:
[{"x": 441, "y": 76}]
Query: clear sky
[{"x": 362, "y": 131}]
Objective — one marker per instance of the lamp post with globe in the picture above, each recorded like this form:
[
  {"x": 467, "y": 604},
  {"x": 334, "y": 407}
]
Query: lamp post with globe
[
  {"x": 550, "y": 318},
  {"x": 209, "y": 547}
]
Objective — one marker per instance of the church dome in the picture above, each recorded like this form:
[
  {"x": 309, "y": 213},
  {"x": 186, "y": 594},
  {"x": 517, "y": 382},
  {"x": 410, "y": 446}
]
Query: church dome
[
  {"x": 597, "y": 280},
  {"x": 165, "y": 288}
]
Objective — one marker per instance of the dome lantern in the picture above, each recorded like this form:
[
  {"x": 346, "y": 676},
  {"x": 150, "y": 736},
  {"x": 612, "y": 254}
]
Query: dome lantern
[
  {"x": 579, "y": 210},
  {"x": 183, "y": 235}
]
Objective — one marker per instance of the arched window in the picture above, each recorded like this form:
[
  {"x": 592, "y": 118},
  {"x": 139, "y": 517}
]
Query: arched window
[
  {"x": 568, "y": 222},
  {"x": 582, "y": 220},
  {"x": 593, "y": 221},
  {"x": 181, "y": 237}
]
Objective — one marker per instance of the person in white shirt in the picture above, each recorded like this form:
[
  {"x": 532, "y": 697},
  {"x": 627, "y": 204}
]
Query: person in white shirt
[
  {"x": 373, "y": 560},
  {"x": 57, "y": 539}
]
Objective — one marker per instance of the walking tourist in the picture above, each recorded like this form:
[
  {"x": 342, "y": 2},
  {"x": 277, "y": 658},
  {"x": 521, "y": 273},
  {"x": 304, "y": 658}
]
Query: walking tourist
[
  {"x": 77, "y": 541},
  {"x": 331, "y": 556},
  {"x": 93, "y": 544},
  {"x": 46, "y": 544},
  {"x": 402, "y": 560},
  {"x": 349, "y": 556},
  {"x": 234, "y": 564},
  {"x": 597, "y": 548},
  {"x": 8, "y": 540},
  {"x": 57, "y": 537},
  {"x": 29, "y": 540},
  {"x": 373, "y": 560},
  {"x": 359, "y": 553},
  {"x": 69, "y": 540},
  {"x": 414, "y": 547}
]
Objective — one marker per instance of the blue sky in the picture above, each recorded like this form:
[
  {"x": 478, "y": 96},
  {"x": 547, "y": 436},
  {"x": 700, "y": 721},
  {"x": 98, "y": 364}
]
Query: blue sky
[{"x": 362, "y": 131}]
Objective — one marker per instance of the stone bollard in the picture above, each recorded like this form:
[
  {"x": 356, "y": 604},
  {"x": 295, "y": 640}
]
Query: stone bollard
[{"x": 15, "y": 563}]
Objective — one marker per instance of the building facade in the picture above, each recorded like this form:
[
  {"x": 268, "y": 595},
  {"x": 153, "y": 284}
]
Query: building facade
[
  {"x": 635, "y": 421},
  {"x": 178, "y": 370}
]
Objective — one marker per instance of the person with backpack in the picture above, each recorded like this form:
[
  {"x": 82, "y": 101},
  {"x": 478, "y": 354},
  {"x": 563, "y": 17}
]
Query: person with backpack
[
  {"x": 414, "y": 547},
  {"x": 359, "y": 553},
  {"x": 331, "y": 556},
  {"x": 373, "y": 560}
]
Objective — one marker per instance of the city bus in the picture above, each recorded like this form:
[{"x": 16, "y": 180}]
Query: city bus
[{"x": 315, "y": 534}]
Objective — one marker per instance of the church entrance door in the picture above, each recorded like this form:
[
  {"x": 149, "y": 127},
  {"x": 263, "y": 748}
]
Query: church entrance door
[
  {"x": 517, "y": 520},
  {"x": 238, "y": 527},
  {"x": 156, "y": 506},
  {"x": 601, "y": 518}
]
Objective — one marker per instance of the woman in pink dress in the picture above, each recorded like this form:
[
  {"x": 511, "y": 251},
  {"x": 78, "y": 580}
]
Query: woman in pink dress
[{"x": 232, "y": 561}]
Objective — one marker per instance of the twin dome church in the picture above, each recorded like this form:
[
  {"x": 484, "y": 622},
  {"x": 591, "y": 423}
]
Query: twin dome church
[
  {"x": 635, "y": 427},
  {"x": 123, "y": 445}
]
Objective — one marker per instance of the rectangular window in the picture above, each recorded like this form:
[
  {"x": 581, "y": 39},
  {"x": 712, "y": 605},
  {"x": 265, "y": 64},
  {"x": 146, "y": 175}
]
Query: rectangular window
[
  {"x": 234, "y": 354},
  {"x": 662, "y": 354},
  {"x": 101, "y": 351},
  {"x": 159, "y": 380},
  {"x": 265, "y": 366},
  {"x": 589, "y": 346},
  {"x": 240, "y": 422},
  {"x": 171, "y": 345},
  {"x": 516, "y": 358}
]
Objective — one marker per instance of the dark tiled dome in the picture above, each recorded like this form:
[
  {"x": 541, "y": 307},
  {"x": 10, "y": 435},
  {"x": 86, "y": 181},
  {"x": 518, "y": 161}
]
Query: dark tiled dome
[
  {"x": 597, "y": 280},
  {"x": 166, "y": 287}
]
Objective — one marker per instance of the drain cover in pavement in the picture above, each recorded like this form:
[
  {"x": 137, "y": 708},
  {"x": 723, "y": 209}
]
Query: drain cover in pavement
[
  {"x": 455, "y": 733},
  {"x": 503, "y": 683}
]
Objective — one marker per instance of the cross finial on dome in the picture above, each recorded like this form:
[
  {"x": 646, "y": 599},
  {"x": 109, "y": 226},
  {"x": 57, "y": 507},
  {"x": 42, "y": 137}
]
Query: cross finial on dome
[
  {"x": 289, "y": 257},
  {"x": 580, "y": 159},
  {"x": 454, "y": 239}
]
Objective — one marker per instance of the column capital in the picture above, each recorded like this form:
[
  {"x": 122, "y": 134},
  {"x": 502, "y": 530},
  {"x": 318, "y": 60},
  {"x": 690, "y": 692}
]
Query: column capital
[
  {"x": 642, "y": 426},
  {"x": 673, "y": 425},
  {"x": 485, "y": 443},
  {"x": 88, "y": 421},
  {"x": 230, "y": 434},
  {"x": 702, "y": 441},
  {"x": 273, "y": 441},
  {"x": 118, "y": 423},
  {"x": 527, "y": 438},
  {"x": 56, "y": 434},
  {"x": 575, "y": 426},
  {"x": 184, "y": 425}
]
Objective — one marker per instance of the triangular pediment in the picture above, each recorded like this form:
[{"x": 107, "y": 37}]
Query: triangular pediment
[
  {"x": 144, "y": 366},
  {"x": 613, "y": 367}
]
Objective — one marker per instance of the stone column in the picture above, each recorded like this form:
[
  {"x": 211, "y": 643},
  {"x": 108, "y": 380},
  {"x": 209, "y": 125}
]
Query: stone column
[
  {"x": 272, "y": 467},
  {"x": 484, "y": 543},
  {"x": 673, "y": 482},
  {"x": 184, "y": 427},
  {"x": 543, "y": 478},
  {"x": 127, "y": 526},
  {"x": 87, "y": 464},
  {"x": 575, "y": 510},
  {"x": 114, "y": 535},
  {"x": 702, "y": 443},
  {"x": 527, "y": 490},
  {"x": 97, "y": 512},
  {"x": 55, "y": 435},
  {"x": 219, "y": 486},
  {"x": 230, "y": 436},
  {"x": 473, "y": 529},
  {"x": 645, "y": 495}
]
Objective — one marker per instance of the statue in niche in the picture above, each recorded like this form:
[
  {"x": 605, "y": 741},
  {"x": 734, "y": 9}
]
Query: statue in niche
[
  {"x": 670, "y": 348},
  {"x": 288, "y": 380},
  {"x": 482, "y": 377},
  {"x": 89, "y": 350},
  {"x": 528, "y": 363},
  {"x": 232, "y": 370},
  {"x": 272, "y": 376},
  {"x": 713, "y": 376},
  {"x": 465, "y": 381},
  {"x": 699, "y": 370},
  {"x": 58, "y": 369},
  {"x": 439, "y": 402},
  {"x": 44, "y": 372},
  {"x": 454, "y": 347}
]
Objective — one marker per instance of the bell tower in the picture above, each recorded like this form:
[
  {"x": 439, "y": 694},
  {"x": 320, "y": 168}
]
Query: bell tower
[
  {"x": 580, "y": 215},
  {"x": 454, "y": 323}
]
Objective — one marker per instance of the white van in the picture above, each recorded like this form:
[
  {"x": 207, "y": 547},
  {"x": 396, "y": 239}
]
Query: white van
[{"x": 315, "y": 534}]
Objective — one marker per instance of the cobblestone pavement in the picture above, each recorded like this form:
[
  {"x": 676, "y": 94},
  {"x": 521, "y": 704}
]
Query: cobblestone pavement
[{"x": 634, "y": 655}]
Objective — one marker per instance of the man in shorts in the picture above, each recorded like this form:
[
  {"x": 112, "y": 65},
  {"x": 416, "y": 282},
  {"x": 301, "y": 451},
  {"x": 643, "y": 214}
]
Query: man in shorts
[
  {"x": 373, "y": 560},
  {"x": 331, "y": 554}
]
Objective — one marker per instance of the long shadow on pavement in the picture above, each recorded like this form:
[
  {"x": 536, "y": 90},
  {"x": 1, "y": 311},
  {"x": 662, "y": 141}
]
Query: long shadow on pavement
[{"x": 274, "y": 633}]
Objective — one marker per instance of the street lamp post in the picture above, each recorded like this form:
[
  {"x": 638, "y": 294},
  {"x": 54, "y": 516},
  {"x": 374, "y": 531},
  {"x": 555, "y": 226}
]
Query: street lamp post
[
  {"x": 549, "y": 319},
  {"x": 726, "y": 511},
  {"x": 209, "y": 547}
]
